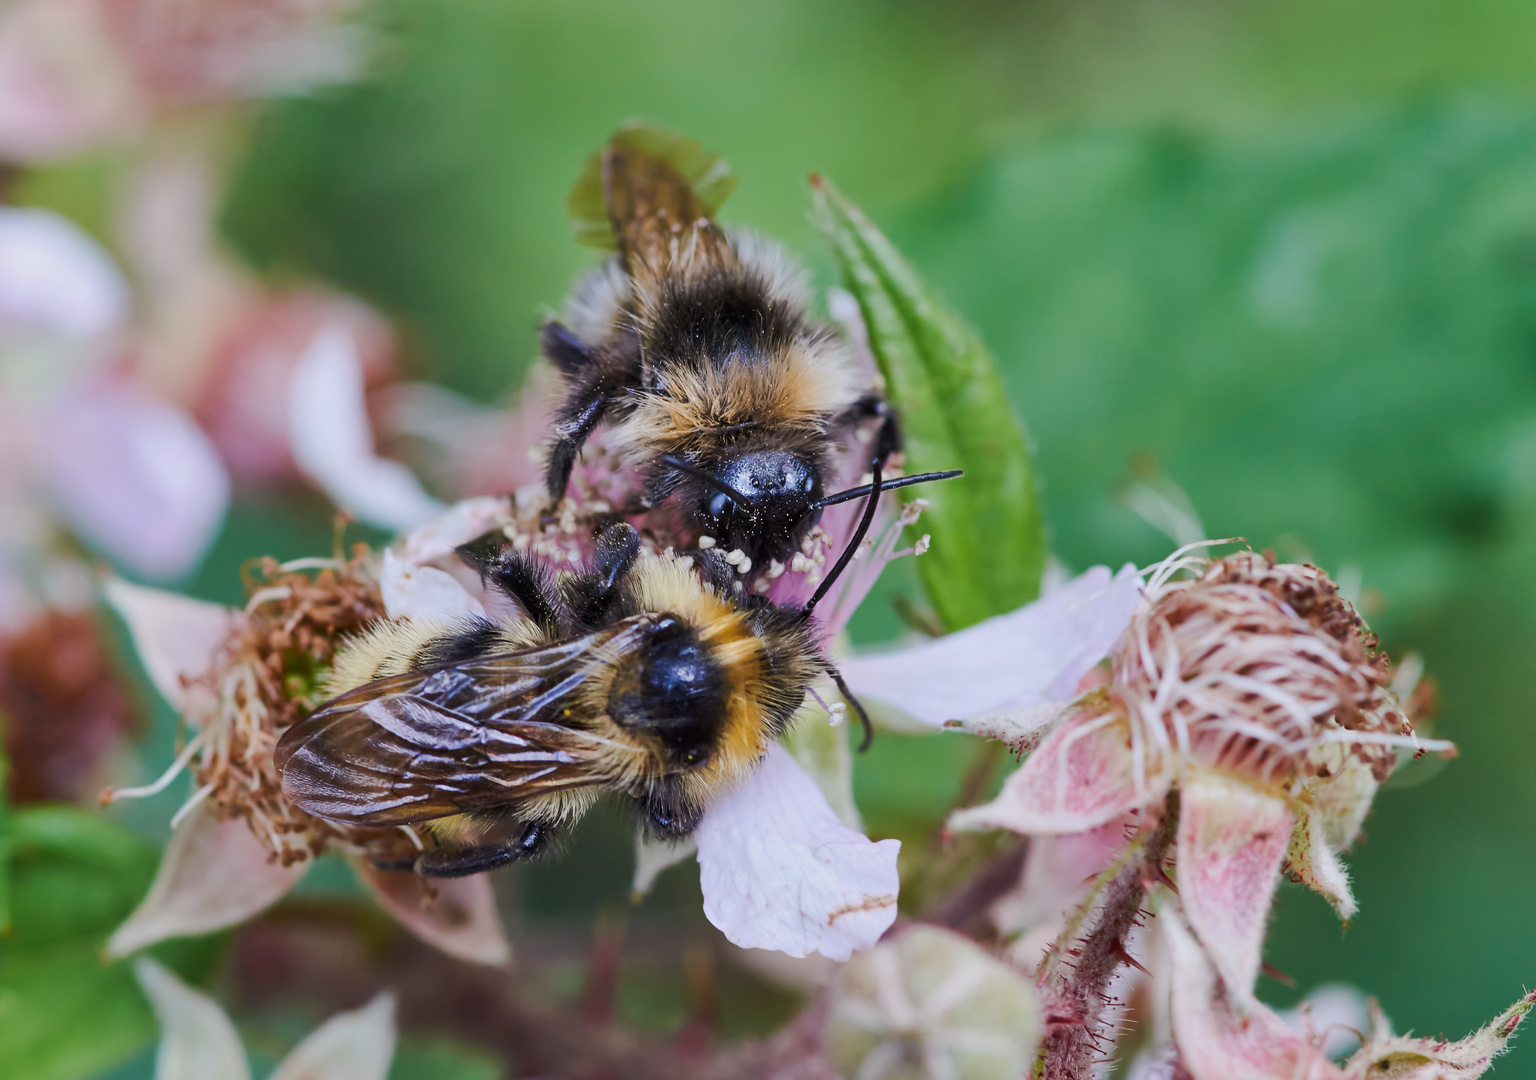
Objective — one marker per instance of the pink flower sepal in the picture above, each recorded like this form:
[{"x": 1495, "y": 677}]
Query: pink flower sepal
[{"x": 1222, "y": 1037}]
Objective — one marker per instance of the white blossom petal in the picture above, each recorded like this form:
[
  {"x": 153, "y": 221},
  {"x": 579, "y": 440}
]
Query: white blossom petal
[
  {"x": 213, "y": 874},
  {"x": 423, "y": 592},
  {"x": 459, "y": 524},
  {"x": 780, "y": 871},
  {"x": 456, "y": 915},
  {"x": 56, "y": 280},
  {"x": 1032, "y": 655},
  {"x": 197, "y": 1040},
  {"x": 355, "y": 1045},
  {"x": 332, "y": 441},
  {"x": 1081, "y": 776},
  {"x": 654, "y": 856},
  {"x": 174, "y": 635},
  {"x": 135, "y": 476}
]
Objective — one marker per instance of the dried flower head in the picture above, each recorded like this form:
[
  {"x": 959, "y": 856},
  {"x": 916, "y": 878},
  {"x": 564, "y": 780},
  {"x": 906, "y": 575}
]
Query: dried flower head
[
  {"x": 62, "y": 706},
  {"x": 1256, "y": 690},
  {"x": 266, "y": 677},
  {"x": 1252, "y": 666}
]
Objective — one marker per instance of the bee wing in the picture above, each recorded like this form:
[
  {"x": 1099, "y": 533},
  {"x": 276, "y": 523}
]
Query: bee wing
[
  {"x": 653, "y": 194},
  {"x": 467, "y": 736}
]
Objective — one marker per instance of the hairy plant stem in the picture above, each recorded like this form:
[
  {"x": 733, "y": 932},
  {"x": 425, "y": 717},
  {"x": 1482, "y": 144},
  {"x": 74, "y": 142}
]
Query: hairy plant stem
[{"x": 1075, "y": 975}]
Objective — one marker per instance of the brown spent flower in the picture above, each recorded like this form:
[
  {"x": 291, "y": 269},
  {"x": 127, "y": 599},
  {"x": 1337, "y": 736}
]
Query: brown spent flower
[
  {"x": 62, "y": 706},
  {"x": 265, "y": 678},
  {"x": 1252, "y": 666}
]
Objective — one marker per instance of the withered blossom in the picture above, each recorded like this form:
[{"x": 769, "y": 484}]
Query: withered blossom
[
  {"x": 1255, "y": 690},
  {"x": 931, "y": 1003},
  {"x": 240, "y": 679},
  {"x": 1221, "y": 1035},
  {"x": 63, "y": 706}
]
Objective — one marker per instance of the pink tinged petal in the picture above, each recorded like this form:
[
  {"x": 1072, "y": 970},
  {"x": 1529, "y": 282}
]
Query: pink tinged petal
[
  {"x": 1220, "y": 1039},
  {"x": 456, "y": 915},
  {"x": 356, "y": 1045},
  {"x": 423, "y": 592},
  {"x": 780, "y": 871},
  {"x": 65, "y": 84},
  {"x": 175, "y": 636},
  {"x": 459, "y": 524},
  {"x": 1082, "y": 776},
  {"x": 1311, "y": 859},
  {"x": 332, "y": 441},
  {"x": 1057, "y": 870},
  {"x": 136, "y": 477},
  {"x": 1232, "y": 838},
  {"x": 197, "y": 1040},
  {"x": 55, "y": 279},
  {"x": 1029, "y": 656},
  {"x": 214, "y": 874},
  {"x": 1407, "y": 1058}
]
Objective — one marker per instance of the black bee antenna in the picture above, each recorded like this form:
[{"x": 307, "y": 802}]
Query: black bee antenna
[
  {"x": 703, "y": 474},
  {"x": 889, "y": 485},
  {"x": 853, "y": 545},
  {"x": 873, "y": 489}
]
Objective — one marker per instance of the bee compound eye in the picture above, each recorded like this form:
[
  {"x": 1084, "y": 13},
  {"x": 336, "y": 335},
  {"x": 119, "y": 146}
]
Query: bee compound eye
[{"x": 695, "y": 756}]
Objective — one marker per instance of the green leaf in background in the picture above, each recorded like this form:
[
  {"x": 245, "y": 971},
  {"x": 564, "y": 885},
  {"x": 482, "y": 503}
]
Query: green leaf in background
[
  {"x": 988, "y": 536},
  {"x": 439, "y": 1059},
  {"x": 64, "y": 1013},
  {"x": 5, "y": 838}
]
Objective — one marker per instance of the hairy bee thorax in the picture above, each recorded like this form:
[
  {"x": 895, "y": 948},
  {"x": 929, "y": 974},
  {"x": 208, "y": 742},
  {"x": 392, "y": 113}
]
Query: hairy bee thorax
[
  {"x": 695, "y": 347},
  {"x": 725, "y": 356}
]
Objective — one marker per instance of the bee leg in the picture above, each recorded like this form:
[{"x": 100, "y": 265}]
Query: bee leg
[
  {"x": 858, "y": 707},
  {"x": 576, "y": 420},
  {"x": 666, "y": 817},
  {"x": 525, "y": 580},
  {"x": 888, "y": 436},
  {"x": 590, "y": 595},
  {"x": 462, "y": 862},
  {"x": 565, "y": 350}
]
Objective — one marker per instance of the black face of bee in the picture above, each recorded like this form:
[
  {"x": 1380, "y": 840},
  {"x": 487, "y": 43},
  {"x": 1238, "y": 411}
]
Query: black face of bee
[
  {"x": 778, "y": 489},
  {"x": 677, "y": 693}
]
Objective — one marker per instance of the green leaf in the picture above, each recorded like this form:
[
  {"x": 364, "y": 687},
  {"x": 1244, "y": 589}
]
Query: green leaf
[
  {"x": 65, "y": 1014},
  {"x": 438, "y": 1059},
  {"x": 6, "y": 847},
  {"x": 988, "y": 536}
]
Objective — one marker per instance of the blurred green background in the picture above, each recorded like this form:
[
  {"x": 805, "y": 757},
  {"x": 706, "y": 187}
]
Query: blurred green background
[{"x": 1285, "y": 252}]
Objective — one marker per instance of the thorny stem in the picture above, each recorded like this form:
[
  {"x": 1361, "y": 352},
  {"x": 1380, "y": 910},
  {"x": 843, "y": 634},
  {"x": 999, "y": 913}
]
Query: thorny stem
[{"x": 1074, "y": 978}]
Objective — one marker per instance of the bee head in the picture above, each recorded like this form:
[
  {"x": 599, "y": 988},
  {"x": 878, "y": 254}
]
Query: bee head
[
  {"x": 762, "y": 502},
  {"x": 676, "y": 692}
]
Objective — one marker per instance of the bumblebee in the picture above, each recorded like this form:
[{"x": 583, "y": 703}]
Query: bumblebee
[
  {"x": 639, "y": 676},
  {"x": 696, "y": 348}
]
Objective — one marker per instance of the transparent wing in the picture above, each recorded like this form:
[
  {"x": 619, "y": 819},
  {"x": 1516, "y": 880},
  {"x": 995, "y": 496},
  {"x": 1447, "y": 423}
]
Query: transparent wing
[{"x": 467, "y": 736}]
